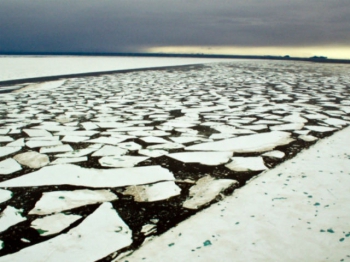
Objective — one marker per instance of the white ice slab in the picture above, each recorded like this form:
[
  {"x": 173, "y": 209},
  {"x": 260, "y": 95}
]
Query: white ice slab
[
  {"x": 166, "y": 146},
  {"x": 154, "y": 140},
  {"x": 9, "y": 166},
  {"x": 106, "y": 140},
  {"x": 121, "y": 161},
  {"x": 244, "y": 144},
  {"x": 37, "y": 132},
  {"x": 152, "y": 152},
  {"x": 5, "y": 195},
  {"x": 110, "y": 151},
  {"x": 320, "y": 129},
  {"x": 132, "y": 146},
  {"x": 336, "y": 122},
  {"x": 74, "y": 139},
  {"x": 78, "y": 152},
  {"x": 294, "y": 118},
  {"x": 58, "y": 201},
  {"x": 53, "y": 224},
  {"x": 184, "y": 139},
  {"x": 286, "y": 127},
  {"x": 42, "y": 143},
  {"x": 204, "y": 109},
  {"x": 205, "y": 190},
  {"x": 4, "y": 150},
  {"x": 275, "y": 154},
  {"x": 10, "y": 217},
  {"x": 100, "y": 234},
  {"x": 69, "y": 160},
  {"x": 241, "y": 164},
  {"x": 76, "y": 133},
  {"x": 204, "y": 158},
  {"x": 32, "y": 159},
  {"x": 308, "y": 138},
  {"x": 56, "y": 149},
  {"x": 18, "y": 142},
  {"x": 4, "y": 139},
  {"x": 95, "y": 178},
  {"x": 153, "y": 192}
]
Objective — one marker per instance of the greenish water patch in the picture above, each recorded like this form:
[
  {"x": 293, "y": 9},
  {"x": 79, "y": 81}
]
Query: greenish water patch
[{"x": 207, "y": 243}]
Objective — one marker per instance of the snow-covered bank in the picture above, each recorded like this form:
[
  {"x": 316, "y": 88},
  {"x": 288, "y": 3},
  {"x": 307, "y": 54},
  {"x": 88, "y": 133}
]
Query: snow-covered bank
[
  {"x": 298, "y": 211},
  {"x": 22, "y": 67}
]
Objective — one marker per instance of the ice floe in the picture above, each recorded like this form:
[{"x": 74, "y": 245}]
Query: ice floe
[
  {"x": 204, "y": 158},
  {"x": 242, "y": 164},
  {"x": 9, "y": 166},
  {"x": 153, "y": 192},
  {"x": 205, "y": 190},
  {"x": 8, "y": 150},
  {"x": 53, "y": 224},
  {"x": 96, "y": 178},
  {"x": 37, "y": 132},
  {"x": 68, "y": 160},
  {"x": 110, "y": 151},
  {"x": 152, "y": 152},
  {"x": 32, "y": 159},
  {"x": 58, "y": 201},
  {"x": 5, "y": 139},
  {"x": 121, "y": 161},
  {"x": 56, "y": 149},
  {"x": 320, "y": 128},
  {"x": 5, "y": 195},
  {"x": 308, "y": 138},
  {"x": 275, "y": 154},
  {"x": 10, "y": 217},
  {"x": 247, "y": 144},
  {"x": 100, "y": 234}
]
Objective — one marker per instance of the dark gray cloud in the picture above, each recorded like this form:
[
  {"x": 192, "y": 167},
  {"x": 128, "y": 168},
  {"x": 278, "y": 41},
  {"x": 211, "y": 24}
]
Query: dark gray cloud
[{"x": 120, "y": 25}]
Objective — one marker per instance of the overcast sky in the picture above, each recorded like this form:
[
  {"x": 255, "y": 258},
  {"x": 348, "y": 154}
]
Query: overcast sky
[{"x": 155, "y": 25}]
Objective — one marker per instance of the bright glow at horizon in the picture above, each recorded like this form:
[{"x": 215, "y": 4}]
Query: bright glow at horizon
[{"x": 335, "y": 52}]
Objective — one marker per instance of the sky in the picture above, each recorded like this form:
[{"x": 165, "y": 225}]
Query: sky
[{"x": 300, "y": 28}]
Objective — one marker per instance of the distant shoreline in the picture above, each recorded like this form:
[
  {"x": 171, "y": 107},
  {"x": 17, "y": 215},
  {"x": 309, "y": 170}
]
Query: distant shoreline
[
  {"x": 57, "y": 77},
  {"x": 316, "y": 59}
]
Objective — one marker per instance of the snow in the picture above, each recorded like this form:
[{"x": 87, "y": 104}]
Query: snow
[
  {"x": 297, "y": 211},
  {"x": 9, "y": 166},
  {"x": 20, "y": 67}
]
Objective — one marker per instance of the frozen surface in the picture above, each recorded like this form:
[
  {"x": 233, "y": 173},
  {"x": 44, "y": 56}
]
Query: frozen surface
[
  {"x": 97, "y": 236},
  {"x": 180, "y": 127},
  {"x": 97, "y": 178},
  {"x": 297, "y": 212},
  {"x": 153, "y": 192},
  {"x": 57, "y": 201},
  {"x": 53, "y": 224},
  {"x": 20, "y": 67}
]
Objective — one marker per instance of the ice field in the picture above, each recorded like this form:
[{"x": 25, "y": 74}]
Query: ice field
[{"x": 94, "y": 168}]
